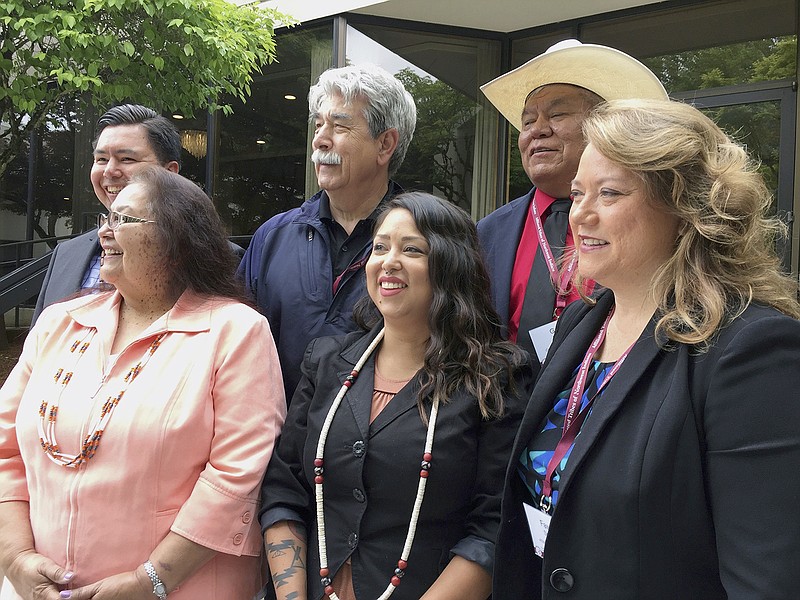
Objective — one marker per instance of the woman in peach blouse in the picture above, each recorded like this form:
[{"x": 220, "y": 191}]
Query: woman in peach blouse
[{"x": 136, "y": 426}]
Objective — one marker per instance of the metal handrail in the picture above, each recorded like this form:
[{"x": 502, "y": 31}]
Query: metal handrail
[
  {"x": 25, "y": 279},
  {"x": 21, "y": 257}
]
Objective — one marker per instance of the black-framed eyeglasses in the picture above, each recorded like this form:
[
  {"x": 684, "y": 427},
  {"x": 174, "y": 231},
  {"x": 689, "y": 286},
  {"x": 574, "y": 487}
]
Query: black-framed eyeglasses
[{"x": 115, "y": 219}]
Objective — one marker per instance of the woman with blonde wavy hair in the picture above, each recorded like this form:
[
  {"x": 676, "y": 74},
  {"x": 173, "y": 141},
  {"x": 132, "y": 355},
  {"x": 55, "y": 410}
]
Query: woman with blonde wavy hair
[{"x": 659, "y": 452}]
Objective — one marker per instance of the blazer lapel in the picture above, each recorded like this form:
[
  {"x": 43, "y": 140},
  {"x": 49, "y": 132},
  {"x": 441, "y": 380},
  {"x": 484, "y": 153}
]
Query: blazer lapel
[
  {"x": 565, "y": 354},
  {"x": 404, "y": 400},
  {"x": 507, "y": 243},
  {"x": 642, "y": 354},
  {"x": 359, "y": 396},
  {"x": 74, "y": 259}
]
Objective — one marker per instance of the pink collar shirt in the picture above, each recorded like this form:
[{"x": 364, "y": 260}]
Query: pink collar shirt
[{"x": 184, "y": 451}]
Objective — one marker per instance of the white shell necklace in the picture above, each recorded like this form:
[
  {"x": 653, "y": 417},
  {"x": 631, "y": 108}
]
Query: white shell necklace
[{"x": 427, "y": 457}]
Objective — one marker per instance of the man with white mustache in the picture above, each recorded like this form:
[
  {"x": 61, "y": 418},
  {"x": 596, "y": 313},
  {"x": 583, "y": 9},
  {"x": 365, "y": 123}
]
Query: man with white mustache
[
  {"x": 129, "y": 137},
  {"x": 305, "y": 267},
  {"x": 547, "y": 99}
]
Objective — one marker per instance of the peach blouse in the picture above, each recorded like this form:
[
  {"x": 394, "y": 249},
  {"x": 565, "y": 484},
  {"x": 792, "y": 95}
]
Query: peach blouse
[{"x": 184, "y": 451}]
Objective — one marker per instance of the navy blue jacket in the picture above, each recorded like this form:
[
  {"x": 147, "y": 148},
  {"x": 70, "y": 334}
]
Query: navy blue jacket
[
  {"x": 288, "y": 269},
  {"x": 499, "y": 234}
]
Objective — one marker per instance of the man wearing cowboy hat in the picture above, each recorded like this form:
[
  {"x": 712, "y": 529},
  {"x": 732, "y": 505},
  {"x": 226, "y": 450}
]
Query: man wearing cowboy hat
[{"x": 547, "y": 99}]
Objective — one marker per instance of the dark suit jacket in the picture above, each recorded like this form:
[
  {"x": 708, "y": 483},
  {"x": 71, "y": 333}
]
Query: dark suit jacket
[
  {"x": 372, "y": 473},
  {"x": 68, "y": 265},
  {"x": 684, "y": 482},
  {"x": 499, "y": 234}
]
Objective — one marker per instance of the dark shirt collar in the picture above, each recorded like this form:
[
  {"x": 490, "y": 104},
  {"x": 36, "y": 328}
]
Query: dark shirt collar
[{"x": 325, "y": 204}]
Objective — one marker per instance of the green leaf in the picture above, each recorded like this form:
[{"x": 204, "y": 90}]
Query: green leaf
[{"x": 178, "y": 53}]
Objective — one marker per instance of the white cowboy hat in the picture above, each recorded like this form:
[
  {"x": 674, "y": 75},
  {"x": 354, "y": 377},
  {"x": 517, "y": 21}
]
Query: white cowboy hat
[{"x": 609, "y": 73}]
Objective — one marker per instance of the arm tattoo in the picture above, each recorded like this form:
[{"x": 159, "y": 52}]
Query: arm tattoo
[
  {"x": 283, "y": 548},
  {"x": 281, "y": 579},
  {"x": 298, "y": 530}
]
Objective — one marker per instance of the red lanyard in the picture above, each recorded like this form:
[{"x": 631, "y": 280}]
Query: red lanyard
[
  {"x": 353, "y": 267},
  {"x": 561, "y": 281},
  {"x": 573, "y": 421}
]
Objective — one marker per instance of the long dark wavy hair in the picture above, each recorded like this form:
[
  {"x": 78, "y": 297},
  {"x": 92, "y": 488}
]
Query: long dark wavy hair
[
  {"x": 191, "y": 235},
  {"x": 465, "y": 349}
]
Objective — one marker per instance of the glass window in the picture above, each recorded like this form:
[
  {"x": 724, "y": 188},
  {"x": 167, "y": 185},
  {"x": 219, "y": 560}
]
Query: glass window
[
  {"x": 263, "y": 146},
  {"x": 13, "y": 197},
  {"x": 453, "y": 153},
  {"x": 194, "y": 144},
  {"x": 744, "y": 62},
  {"x": 748, "y": 43},
  {"x": 757, "y": 127},
  {"x": 63, "y": 204}
]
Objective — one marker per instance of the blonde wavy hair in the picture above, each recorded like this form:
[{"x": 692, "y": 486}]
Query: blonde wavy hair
[{"x": 725, "y": 255}]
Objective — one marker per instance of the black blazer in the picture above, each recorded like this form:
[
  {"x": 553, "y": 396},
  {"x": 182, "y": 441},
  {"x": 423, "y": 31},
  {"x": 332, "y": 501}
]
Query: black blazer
[
  {"x": 372, "y": 473},
  {"x": 68, "y": 265},
  {"x": 684, "y": 482}
]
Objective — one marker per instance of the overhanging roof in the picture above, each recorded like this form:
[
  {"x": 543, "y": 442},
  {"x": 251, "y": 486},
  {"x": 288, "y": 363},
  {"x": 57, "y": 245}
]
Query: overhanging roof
[{"x": 493, "y": 15}]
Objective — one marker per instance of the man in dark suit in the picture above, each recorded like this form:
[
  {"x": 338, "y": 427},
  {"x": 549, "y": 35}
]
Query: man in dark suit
[
  {"x": 547, "y": 99},
  {"x": 129, "y": 137}
]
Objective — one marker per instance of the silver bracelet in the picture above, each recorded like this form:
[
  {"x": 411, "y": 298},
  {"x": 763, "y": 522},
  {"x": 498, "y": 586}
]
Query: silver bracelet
[{"x": 159, "y": 589}]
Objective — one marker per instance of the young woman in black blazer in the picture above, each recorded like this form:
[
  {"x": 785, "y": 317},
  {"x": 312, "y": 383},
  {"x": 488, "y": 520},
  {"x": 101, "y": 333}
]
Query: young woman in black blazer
[{"x": 387, "y": 477}]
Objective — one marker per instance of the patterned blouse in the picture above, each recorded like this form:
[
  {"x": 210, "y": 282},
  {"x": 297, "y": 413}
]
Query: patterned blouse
[{"x": 535, "y": 457}]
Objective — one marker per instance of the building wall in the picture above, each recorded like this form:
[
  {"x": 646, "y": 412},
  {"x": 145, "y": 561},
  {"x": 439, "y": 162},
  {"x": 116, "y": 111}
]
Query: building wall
[{"x": 715, "y": 54}]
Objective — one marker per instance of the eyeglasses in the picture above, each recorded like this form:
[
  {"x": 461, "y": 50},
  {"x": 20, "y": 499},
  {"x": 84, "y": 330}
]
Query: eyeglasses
[{"x": 115, "y": 219}]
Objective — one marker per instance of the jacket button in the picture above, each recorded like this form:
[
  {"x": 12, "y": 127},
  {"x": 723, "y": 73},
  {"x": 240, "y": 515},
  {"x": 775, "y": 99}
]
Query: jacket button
[
  {"x": 358, "y": 448},
  {"x": 358, "y": 495},
  {"x": 246, "y": 517},
  {"x": 562, "y": 580},
  {"x": 237, "y": 539},
  {"x": 352, "y": 540}
]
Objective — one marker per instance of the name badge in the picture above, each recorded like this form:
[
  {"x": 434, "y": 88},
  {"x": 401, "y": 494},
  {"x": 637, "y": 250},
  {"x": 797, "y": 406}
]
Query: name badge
[
  {"x": 538, "y": 523},
  {"x": 542, "y": 337}
]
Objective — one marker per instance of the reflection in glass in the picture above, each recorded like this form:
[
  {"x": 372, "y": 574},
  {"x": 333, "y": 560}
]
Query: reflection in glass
[
  {"x": 264, "y": 144},
  {"x": 61, "y": 148},
  {"x": 194, "y": 145},
  {"x": 746, "y": 62},
  {"x": 757, "y": 127},
  {"x": 452, "y": 153}
]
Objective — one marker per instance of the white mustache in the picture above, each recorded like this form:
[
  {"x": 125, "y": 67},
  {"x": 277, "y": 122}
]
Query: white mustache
[{"x": 326, "y": 157}]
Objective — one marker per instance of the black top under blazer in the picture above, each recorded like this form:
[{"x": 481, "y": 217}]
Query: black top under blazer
[
  {"x": 684, "y": 482},
  {"x": 372, "y": 473}
]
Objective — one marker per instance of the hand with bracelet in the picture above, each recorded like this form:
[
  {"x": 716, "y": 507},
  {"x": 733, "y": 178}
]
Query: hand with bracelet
[{"x": 175, "y": 559}]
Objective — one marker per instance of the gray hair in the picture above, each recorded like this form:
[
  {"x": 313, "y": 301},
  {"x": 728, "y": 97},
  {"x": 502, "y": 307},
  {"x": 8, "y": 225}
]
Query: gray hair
[{"x": 389, "y": 105}]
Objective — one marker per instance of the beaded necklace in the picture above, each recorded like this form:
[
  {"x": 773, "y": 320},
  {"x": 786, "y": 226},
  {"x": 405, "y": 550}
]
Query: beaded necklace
[
  {"x": 427, "y": 457},
  {"x": 48, "y": 413}
]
